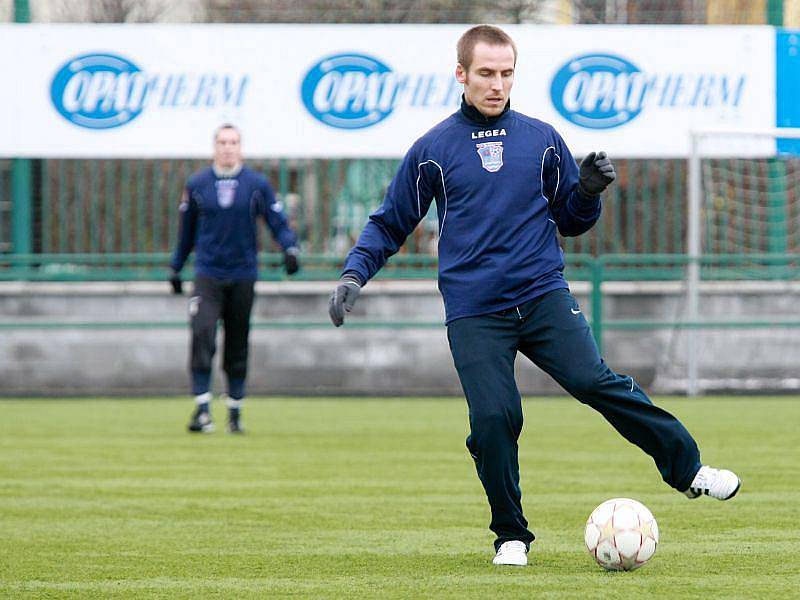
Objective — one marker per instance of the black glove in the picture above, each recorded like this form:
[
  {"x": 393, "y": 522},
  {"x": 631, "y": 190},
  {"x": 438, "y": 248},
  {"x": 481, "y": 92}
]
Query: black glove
[
  {"x": 596, "y": 173},
  {"x": 290, "y": 260},
  {"x": 175, "y": 280},
  {"x": 343, "y": 299}
]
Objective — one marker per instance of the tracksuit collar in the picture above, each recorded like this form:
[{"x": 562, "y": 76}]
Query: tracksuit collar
[
  {"x": 477, "y": 117},
  {"x": 222, "y": 173}
]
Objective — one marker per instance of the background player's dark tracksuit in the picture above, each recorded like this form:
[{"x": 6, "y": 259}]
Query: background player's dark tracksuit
[
  {"x": 219, "y": 221},
  {"x": 502, "y": 188}
]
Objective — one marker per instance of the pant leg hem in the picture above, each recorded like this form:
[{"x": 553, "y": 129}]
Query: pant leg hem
[
  {"x": 526, "y": 539},
  {"x": 684, "y": 482}
]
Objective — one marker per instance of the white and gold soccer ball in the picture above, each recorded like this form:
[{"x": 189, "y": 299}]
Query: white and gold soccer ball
[{"x": 621, "y": 534}]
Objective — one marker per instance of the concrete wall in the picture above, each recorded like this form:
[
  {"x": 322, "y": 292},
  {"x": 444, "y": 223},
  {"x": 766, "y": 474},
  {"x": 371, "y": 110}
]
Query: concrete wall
[{"x": 38, "y": 359}]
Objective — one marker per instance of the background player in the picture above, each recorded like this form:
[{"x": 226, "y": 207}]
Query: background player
[
  {"x": 504, "y": 185},
  {"x": 218, "y": 218}
]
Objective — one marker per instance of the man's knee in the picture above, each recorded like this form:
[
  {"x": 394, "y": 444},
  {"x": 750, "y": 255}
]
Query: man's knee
[
  {"x": 584, "y": 382},
  {"x": 237, "y": 369},
  {"x": 234, "y": 361},
  {"x": 490, "y": 428},
  {"x": 203, "y": 348},
  {"x": 201, "y": 361}
]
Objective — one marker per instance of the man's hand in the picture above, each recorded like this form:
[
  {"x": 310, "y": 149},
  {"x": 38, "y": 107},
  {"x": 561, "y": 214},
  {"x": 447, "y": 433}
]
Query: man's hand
[
  {"x": 595, "y": 175},
  {"x": 175, "y": 280},
  {"x": 290, "y": 261},
  {"x": 343, "y": 299}
]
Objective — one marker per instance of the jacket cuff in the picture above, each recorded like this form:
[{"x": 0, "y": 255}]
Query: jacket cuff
[
  {"x": 352, "y": 276},
  {"x": 583, "y": 206}
]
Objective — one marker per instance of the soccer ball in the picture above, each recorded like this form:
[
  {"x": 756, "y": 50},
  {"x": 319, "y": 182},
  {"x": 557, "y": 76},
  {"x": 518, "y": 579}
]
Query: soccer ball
[{"x": 621, "y": 534}]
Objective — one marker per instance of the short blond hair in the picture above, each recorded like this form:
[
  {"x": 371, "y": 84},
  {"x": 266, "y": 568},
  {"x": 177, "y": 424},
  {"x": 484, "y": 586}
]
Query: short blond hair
[{"x": 489, "y": 34}]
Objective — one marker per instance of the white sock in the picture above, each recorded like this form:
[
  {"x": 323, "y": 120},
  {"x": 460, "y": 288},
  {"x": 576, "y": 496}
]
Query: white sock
[{"x": 233, "y": 403}]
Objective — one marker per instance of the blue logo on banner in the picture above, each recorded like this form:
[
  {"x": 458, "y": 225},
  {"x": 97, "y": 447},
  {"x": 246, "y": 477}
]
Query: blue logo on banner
[
  {"x": 350, "y": 91},
  {"x": 787, "y": 51},
  {"x": 99, "y": 91},
  {"x": 598, "y": 91}
]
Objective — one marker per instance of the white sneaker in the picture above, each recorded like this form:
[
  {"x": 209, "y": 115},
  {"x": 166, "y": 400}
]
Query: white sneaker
[
  {"x": 717, "y": 483},
  {"x": 512, "y": 553}
]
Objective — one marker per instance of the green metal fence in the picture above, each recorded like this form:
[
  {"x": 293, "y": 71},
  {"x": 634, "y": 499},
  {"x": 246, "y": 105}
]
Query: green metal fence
[
  {"x": 111, "y": 207},
  {"x": 719, "y": 267},
  {"x": 153, "y": 267},
  {"x": 5, "y": 206},
  {"x": 117, "y": 219},
  {"x": 108, "y": 206}
]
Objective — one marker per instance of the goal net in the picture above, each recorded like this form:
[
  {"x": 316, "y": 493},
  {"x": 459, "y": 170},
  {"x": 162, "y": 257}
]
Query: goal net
[{"x": 739, "y": 322}]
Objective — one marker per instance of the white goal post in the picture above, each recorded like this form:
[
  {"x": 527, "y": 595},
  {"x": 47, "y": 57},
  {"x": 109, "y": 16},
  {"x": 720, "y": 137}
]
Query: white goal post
[{"x": 715, "y": 144}]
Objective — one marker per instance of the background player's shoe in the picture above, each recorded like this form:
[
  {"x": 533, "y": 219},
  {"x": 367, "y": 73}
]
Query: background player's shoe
[
  {"x": 234, "y": 425},
  {"x": 717, "y": 483},
  {"x": 234, "y": 414},
  {"x": 201, "y": 422},
  {"x": 512, "y": 553}
]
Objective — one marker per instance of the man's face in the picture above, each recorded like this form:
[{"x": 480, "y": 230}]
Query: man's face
[
  {"x": 227, "y": 149},
  {"x": 487, "y": 84}
]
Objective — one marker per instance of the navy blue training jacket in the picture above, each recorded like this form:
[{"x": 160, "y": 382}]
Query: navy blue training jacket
[
  {"x": 502, "y": 186},
  {"x": 218, "y": 218}
]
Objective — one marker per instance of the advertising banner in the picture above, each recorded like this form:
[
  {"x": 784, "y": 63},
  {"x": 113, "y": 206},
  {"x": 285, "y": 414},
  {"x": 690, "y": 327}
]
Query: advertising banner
[{"x": 366, "y": 90}]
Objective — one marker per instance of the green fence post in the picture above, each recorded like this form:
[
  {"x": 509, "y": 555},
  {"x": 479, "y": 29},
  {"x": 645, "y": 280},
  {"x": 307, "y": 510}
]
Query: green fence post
[
  {"x": 775, "y": 12},
  {"x": 21, "y": 214},
  {"x": 777, "y": 232},
  {"x": 597, "y": 301},
  {"x": 22, "y": 11},
  {"x": 21, "y": 184}
]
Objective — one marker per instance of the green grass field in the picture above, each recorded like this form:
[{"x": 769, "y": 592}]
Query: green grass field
[{"x": 356, "y": 498}]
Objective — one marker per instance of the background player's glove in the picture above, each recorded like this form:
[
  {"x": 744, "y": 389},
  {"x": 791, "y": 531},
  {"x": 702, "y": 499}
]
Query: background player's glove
[
  {"x": 343, "y": 298},
  {"x": 596, "y": 173},
  {"x": 290, "y": 260},
  {"x": 175, "y": 280}
]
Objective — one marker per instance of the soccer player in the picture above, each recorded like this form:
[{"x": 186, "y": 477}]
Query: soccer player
[
  {"x": 504, "y": 185},
  {"x": 219, "y": 211}
]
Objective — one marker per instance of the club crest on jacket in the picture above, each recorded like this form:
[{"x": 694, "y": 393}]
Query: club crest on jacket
[
  {"x": 226, "y": 190},
  {"x": 491, "y": 154}
]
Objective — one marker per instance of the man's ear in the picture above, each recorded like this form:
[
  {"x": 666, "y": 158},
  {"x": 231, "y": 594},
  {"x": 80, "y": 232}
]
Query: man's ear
[{"x": 461, "y": 74}]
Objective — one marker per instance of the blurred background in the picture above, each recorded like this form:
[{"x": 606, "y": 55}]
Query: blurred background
[
  {"x": 690, "y": 279},
  {"x": 540, "y": 12}
]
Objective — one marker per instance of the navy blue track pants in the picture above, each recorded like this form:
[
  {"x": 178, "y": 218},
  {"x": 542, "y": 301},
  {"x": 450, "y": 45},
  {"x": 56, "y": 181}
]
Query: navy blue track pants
[
  {"x": 231, "y": 301},
  {"x": 552, "y": 333}
]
